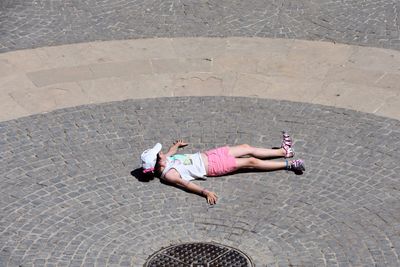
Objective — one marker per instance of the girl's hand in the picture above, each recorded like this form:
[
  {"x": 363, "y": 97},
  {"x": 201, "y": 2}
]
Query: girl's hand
[
  {"x": 180, "y": 143},
  {"x": 211, "y": 198}
]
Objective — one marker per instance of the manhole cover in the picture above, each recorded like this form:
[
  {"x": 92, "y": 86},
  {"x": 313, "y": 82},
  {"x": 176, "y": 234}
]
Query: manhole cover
[{"x": 199, "y": 255}]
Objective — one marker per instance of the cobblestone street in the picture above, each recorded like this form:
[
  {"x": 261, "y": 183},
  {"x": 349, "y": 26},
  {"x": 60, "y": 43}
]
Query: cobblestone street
[
  {"x": 68, "y": 196},
  {"x": 70, "y": 189}
]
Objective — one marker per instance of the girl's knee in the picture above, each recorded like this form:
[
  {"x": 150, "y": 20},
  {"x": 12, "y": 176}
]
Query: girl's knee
[
  {"x": 241, "y": 150},
  {"x": 247, "y": 162},
  {"x": 246, "y": 147},
  {"x": 252, "y": 162}
]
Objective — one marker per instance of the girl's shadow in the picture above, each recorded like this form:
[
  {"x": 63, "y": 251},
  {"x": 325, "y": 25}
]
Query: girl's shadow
[
  {"x": 142, "y": 177},
  {"x": 147, "y": 177}
]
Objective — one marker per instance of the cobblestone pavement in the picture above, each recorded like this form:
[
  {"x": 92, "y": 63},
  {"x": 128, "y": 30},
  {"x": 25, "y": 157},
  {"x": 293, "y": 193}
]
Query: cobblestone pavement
[
  {"x": 28, "y": 24},
  {"x": 69, "y": 196}
]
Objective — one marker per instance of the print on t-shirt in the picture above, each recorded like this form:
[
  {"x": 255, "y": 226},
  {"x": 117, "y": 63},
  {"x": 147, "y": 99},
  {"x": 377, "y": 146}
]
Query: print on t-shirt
[{"x": 181, "y": 159}]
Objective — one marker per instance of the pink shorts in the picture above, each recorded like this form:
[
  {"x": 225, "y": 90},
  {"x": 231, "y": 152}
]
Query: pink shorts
[{"x": 220, "y": 162}]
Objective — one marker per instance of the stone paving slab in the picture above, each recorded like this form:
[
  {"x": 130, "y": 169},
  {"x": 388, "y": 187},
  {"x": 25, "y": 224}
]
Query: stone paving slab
[
  {"x": 44, "y": 79},
  {"x": 29, "y": 24},
  {"x": 68, "y": 197}
]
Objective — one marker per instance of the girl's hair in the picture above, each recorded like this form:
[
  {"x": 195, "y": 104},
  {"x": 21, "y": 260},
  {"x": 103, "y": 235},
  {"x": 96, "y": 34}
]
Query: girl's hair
[{"x": 157, "y": 168}]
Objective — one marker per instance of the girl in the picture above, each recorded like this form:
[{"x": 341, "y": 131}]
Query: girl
[{"x": 181, "y": 169}]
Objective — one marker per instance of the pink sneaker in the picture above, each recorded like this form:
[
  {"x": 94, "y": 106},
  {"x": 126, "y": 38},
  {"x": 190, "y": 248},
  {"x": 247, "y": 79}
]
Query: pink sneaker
[
  {"x": 287, "y": 145},
  {"x": 286, "y": 139},
  {"x": 297, "y": 165}
]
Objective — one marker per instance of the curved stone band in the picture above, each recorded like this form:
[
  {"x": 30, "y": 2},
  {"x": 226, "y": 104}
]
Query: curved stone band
[{"x": 45, "y": 79}]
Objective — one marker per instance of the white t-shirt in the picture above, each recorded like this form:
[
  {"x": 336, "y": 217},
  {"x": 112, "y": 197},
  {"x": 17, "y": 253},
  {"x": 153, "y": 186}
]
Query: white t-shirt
[{"x": 189, "y": 166}]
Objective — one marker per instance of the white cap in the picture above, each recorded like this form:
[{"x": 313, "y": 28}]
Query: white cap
[{"x": 149, "y": 158}]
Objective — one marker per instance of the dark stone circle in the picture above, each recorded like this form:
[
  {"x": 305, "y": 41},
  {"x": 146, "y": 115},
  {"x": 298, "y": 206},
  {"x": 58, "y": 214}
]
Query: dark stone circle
[{"x": 70, "y": 194}]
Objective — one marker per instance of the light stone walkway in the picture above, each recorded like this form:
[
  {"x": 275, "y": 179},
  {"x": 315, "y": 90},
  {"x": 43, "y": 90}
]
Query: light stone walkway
[{"x": 49, "y": 78}]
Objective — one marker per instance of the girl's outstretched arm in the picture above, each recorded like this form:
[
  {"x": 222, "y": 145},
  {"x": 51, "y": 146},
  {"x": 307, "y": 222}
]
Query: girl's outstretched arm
[
  {"x": 172, "y": 176},
  {"x": 174, "y": 148}
]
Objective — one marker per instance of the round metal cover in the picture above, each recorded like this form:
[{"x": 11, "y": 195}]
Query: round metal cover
[{"x": 199, "y": 255}]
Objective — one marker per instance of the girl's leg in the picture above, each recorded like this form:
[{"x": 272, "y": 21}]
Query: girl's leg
[
  {"x": 269, "y": 165},
  {"x": 264, "y": 165},
  {"x": 247, "y": 150}
]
